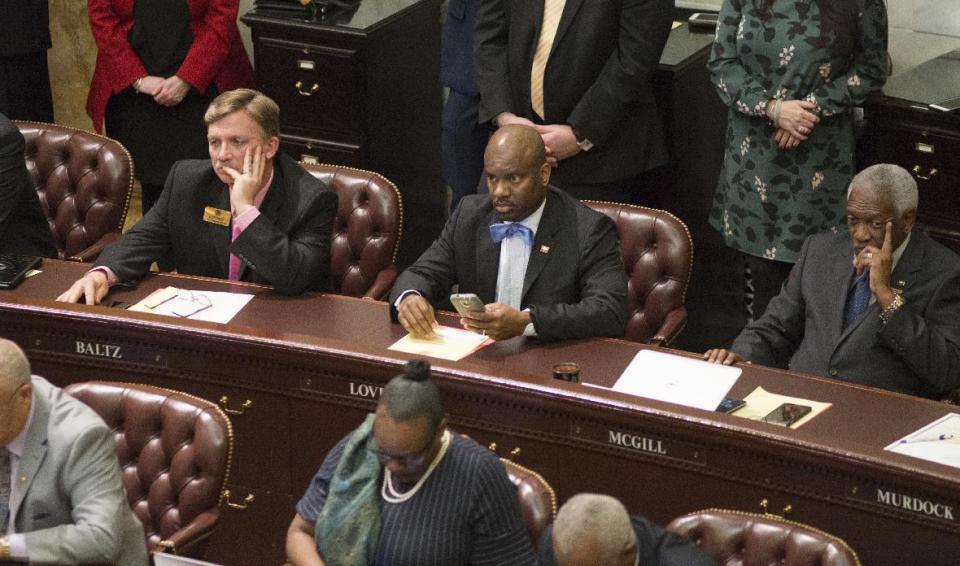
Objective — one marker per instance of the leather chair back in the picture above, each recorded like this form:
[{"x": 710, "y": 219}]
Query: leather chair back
[
  {"x": 735, "y": 538},
  {"x": 174, "y": 451},
  {"x": 367, "y": 230},
  {"x": 657, "y": 253},
  {"x": 84, "y": 182},
  {"x": 537, "y": 499}
]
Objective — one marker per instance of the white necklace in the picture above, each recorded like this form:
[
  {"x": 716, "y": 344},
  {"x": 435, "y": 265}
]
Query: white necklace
[{"x": 390, "y": 495}]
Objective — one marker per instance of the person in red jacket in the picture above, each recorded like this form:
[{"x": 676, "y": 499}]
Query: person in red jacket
[{"x": 159, "y": 65}]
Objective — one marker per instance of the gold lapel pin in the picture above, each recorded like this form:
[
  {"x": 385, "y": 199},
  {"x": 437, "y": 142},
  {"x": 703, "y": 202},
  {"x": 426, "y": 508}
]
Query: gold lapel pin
[
  {"x": 901, "y": 283},
  {"x": 23, "y": 479},
  {"x": 544, "y": 249}
]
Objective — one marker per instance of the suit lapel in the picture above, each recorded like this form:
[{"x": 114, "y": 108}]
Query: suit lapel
[
  {"x": 34, "y": 451},
  {"x": 550, "y": 224},
  {"x": 910, "y": 262},
  {"x": 488, "y": 259},
  {"x": 570, "y": 10},
  {"x": 218, "y": 196}
]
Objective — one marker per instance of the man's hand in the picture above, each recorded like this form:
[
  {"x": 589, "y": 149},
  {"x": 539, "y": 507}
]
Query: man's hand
[
  {"x": 93, "y": 287},
  {"x": 507, "y": 118},
  {"x": 796, "y": 117},
  {"x": 171, "y": 92},
  {"x": 785, "y": 140},
  {"x": 246, "y": 185},
  {"x": 560, "y": 141},
  {"x": 416, "y": 316},
  {"x": 721, "y": 356},
  {"x": 880, "y": 264},
  {"x": 497, "y": 321}
]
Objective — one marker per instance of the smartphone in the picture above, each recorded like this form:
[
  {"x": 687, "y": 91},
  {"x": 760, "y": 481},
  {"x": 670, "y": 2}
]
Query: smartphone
[
  {"x": 466, "y": 302},
  {"x": 13, "y": 268},
  {"x": 729, "y": 405},
  {"x": 787, "y": 414}
]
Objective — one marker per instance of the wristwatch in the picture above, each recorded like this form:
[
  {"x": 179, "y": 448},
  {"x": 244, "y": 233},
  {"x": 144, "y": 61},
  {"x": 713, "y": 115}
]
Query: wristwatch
[
  {"x": 582, "y": 142},
  {"x": 4, "y": 548}
]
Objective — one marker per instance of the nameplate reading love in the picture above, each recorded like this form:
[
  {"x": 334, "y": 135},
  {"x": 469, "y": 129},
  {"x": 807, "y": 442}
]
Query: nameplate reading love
[{"x": 216, "y": 216}]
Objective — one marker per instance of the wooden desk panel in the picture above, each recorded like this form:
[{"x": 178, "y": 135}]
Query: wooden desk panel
[{"x": 311, "y": 367}]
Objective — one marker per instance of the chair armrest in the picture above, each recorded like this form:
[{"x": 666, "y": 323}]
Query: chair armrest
[
  {"x": 382, "y": 284},
  {"x": 90, "y": 254},
  {"x": 184, "y": 542},
  {"x": 671, "y": 327}
]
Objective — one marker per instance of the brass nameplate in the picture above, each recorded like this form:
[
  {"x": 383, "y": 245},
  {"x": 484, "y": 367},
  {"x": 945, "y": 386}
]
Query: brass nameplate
[
  {"x": 641, "y": 443},
  {"x": 216, "y": 216}
]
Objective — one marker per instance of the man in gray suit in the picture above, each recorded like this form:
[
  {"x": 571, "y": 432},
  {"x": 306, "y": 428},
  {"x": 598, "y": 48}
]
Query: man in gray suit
[
  {"x": 543, "y": 264},
  {"x": 878, "y": 306},
  {"x": 61, "y": 498},
  {"x": 250, "y": 213}
]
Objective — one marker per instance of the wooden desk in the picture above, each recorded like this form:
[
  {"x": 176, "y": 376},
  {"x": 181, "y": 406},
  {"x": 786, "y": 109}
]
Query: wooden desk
[{"x": 299, "y": 373}]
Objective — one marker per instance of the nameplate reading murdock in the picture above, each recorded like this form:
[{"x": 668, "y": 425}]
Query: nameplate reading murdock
[
  {"x": 648, "y": 444},
  {"x": 365, "y": 390},
  {"x": 915, "y": 504}
]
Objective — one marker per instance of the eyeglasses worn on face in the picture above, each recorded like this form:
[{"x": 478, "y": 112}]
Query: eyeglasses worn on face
[{"x": 407, "y": 460}]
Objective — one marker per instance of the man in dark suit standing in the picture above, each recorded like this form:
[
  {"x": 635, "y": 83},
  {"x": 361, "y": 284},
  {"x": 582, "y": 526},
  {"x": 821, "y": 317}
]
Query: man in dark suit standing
[
  {"x": 543, "y": 264},
  {"x": 23, "y": 225},
  {"x": 463, "y": 137},
  {"x": 250, "y": 213},
  {"x": 580, "y": 70},
  {"x": 878, "y": 305},
  {"x": 24, "y": 77}
]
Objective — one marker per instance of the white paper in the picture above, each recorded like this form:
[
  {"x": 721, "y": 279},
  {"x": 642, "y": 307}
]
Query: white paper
[
  {"x": 162, "y": 559},
  {"x": 677, "y": 379},
  {"x": 448, "y": 343},
  {"x": 938, "y": 442},
  {"x": 223, "y": 306}
]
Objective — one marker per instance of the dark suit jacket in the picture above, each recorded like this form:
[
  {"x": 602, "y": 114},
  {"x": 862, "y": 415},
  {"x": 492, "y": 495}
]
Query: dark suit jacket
[
  {"x": 916, "y": 352},
  {"x": 24, "y": 27},
  {"x": 23, "y": 225},
  {"x": 598, "y": 77},
  {"x": 456, "y": 52},
  {"x": 287, "y": 246},
  {"x": 656, "y": 547},
  {"x": 575, "y": 285}
]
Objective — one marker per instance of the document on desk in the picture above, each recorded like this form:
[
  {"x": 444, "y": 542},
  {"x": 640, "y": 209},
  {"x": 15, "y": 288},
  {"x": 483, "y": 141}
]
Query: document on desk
[
  {"x": 211, "y": 306},
  {"x": 677, "y": 379},
  {"x": 938, "y": 442},
  {"x": 760, "y": 402},
  {"x": 449, "y": 343}
]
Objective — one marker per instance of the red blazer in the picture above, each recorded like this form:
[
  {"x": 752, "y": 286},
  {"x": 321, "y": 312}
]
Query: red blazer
[{"x": 216, "y": 54}]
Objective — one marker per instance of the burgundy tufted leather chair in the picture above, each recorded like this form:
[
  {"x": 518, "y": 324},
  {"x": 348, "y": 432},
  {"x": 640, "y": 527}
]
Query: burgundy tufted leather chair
[
  {"x": 657, "y": 252},
  {"x": 84, "y": 182},
  {"x": 366, "y": 233},
  {"x": 734, "y": 538},
  {"x": 174, "y": 451},
  {"x": 537, "y": 499}
]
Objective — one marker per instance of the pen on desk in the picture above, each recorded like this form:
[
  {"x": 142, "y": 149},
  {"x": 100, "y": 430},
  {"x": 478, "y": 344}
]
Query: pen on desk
[{"x": 926, "y": 439}]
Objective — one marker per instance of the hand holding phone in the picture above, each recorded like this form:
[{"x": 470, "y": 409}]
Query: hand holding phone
[{"x": 466, "y": 303}]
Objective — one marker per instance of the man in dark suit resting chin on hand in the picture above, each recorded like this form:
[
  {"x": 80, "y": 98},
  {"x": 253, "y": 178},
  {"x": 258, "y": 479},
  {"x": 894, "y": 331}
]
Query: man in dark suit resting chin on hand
[
  {"x": 248, "y": 214},
  {"x": 543, "y": 264},
  {"x": 878, "y": 305}
]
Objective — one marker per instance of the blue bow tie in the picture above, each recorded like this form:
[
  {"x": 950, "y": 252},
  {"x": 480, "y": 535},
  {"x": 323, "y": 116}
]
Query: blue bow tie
[{"x": 502, "y": 230}]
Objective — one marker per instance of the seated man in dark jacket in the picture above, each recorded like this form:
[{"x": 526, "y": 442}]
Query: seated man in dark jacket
[
  {"x": 249, "y": 214},
  {"x": 23, "y": 226}
]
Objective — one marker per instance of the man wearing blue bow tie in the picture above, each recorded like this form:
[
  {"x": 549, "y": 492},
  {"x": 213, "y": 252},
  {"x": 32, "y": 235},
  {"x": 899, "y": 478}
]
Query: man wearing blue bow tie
[{"x": 543, "y": 264}]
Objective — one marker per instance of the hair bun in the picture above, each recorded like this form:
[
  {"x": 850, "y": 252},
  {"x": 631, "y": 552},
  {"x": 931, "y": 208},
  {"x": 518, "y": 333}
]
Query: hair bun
[{"x": 417, "y": 370}]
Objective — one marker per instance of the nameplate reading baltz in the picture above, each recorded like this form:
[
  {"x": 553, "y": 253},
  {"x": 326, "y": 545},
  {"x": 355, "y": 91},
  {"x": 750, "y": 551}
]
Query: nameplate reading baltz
[{"x": 216, "y": 216}]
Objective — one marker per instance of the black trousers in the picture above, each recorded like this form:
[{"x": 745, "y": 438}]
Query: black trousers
[{"x": 25, "y": 87}]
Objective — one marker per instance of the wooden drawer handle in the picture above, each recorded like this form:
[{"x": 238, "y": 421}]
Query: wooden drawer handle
[
  {"x": 243, "y": 406},
  {"x": 313, "y": 89},
  {"x": 916, "y": 173},
  {"x": 238, "y": 506}
]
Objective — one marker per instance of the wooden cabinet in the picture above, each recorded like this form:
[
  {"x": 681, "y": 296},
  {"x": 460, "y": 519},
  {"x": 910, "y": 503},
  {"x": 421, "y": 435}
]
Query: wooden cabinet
[
  {"x": 905, "y": 126},
  {"x": 362, "y": 89}
]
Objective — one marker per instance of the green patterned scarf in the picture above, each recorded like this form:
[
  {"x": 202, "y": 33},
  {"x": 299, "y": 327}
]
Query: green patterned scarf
[{"x": 348, "y": 527}]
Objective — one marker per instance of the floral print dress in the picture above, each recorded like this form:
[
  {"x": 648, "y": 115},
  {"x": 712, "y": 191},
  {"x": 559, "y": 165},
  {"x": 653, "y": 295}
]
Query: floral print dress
[{"x": 769, "y": 200}]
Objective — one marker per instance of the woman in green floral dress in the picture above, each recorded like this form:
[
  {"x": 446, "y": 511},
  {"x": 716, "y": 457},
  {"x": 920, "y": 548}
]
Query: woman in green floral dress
[{"x": 791, "y": 72}]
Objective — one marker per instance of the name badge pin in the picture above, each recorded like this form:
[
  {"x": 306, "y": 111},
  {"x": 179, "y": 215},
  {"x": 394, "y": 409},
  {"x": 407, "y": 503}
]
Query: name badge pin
[{"x": 216, "y": 216}]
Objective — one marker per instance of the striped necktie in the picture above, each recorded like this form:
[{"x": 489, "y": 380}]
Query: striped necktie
[{"x": 552, "y": 10}]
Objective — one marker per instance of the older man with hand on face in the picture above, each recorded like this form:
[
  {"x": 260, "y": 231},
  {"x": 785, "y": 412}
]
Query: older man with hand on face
[
  {"x": 543, "y": 264},
  {"x": 250, "y": 213},
  {"x": 878, "y": 305}
]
